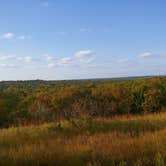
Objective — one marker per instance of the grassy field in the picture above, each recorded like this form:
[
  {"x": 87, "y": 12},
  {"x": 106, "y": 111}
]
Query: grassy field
[{"x": 122, "y": 141}]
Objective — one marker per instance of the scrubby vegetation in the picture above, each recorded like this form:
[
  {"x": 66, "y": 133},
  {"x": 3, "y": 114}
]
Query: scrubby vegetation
[
  {"x": 121, "y": 141},
  {"x": 44, "y": 101},
  {"x": 83, "y": 123}
]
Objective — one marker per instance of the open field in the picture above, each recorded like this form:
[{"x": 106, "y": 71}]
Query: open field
[{"x": 126, "y": 140}]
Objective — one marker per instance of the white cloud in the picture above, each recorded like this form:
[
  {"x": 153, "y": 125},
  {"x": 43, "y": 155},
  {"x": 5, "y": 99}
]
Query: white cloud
[
  {"x": 146, "y": 54},
  {"x": 83, "y": 53},
  {"x": 25, "y": 58},
  {"x": 150, "y": 55},
  {"x": 87, "y": 61},
  {"x": 13, "y": 36},
  {"x": 8, "y": 36},
  {"x": 48, "y": 57},
  {"x": 16, "y": 58},
  {"x": 64, "y": 61},
  {"x": 51, "y": 65},
  {"x": 61, "y": 62},
  {"x": 8, "y": 65},
  {"x": 82, "y": 58},
  {"x": 6, "y": 57}
]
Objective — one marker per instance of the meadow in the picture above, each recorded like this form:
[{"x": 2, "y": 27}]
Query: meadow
[{"x": 129, "y": 140}]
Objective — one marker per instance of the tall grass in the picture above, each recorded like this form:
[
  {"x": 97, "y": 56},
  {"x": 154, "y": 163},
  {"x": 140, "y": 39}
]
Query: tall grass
[{"x": 107, "y": 142}]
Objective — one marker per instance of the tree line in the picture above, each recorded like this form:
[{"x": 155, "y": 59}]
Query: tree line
[{"x": 24, "y": 102}]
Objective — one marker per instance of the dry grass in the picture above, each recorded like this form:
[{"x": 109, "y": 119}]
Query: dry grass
[{"x": 46, "y": 145}]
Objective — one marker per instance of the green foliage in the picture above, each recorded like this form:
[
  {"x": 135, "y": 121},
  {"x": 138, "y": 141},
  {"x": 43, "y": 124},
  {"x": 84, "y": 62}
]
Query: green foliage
[
  {"x": 24, "y": 102},
  {"x": 152, "y": 100}
]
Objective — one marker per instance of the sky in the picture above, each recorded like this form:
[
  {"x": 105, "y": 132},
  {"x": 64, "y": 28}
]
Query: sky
[{"x": 79, "y": 39}]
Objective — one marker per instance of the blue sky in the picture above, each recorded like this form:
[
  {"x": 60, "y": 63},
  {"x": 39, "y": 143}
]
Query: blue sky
[{"x": 62, "y": 39}]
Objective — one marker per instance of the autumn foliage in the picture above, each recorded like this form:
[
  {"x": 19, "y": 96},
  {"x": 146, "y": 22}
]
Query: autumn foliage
[{"x": 44, "y": 101}]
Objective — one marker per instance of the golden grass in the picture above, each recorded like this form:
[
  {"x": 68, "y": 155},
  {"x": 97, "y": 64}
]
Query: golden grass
[
  {"x": 148, "y": 117},
  {"x": 43, "y": 145},
  {"x": 102, "y": 148}
]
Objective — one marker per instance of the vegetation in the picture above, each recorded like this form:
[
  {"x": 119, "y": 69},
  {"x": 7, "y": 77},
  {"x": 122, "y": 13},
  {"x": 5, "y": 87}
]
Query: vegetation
[
  {"x": 83, "y": 123},
  {"x": 27, "y": 102},
  {"x": 127, "y": 141}
]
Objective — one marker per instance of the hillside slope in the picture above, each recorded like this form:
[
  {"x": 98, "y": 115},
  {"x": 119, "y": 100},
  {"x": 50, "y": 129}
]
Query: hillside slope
[{"x": 134, "y": 140}]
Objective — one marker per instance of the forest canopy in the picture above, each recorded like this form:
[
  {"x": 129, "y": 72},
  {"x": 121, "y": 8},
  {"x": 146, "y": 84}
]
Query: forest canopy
[{"x": 43, "y": 101}]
